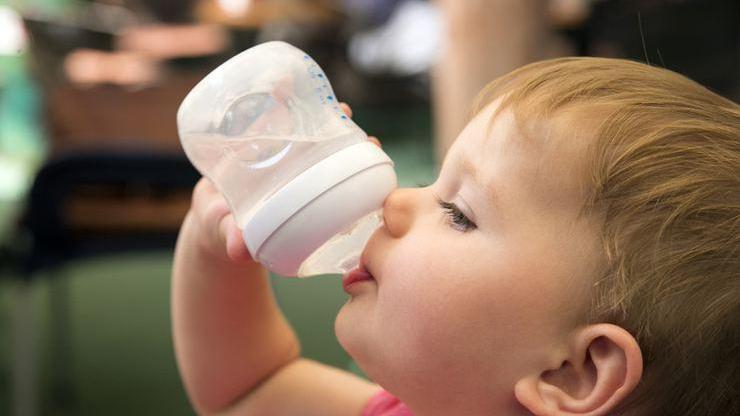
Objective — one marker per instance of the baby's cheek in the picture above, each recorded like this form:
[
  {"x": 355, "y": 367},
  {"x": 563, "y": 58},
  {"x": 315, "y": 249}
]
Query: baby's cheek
[{"x": 419, "y": 314}]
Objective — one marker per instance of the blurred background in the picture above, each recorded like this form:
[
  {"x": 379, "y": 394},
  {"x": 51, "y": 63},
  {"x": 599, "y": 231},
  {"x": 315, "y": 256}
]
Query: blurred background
[{"x": 94, "y": 183}]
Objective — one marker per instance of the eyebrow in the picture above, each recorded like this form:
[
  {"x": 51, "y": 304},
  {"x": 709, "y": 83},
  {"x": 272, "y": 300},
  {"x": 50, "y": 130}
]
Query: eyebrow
[{"x": 469, "y": 169}]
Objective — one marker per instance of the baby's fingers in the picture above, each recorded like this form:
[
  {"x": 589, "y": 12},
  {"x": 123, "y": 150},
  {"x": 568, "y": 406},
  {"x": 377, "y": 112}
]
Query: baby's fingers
[
  {"x": 232, "y": 238},
  {"x": 218, "y": 230},
  {"x": 375, "y": 140},
  {"x": 346, "y": 109}
]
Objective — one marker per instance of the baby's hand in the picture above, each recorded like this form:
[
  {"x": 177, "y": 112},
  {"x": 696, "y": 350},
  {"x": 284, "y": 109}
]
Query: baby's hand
[
  {"x": 348, "y": 111},
  {"x": 218, "y": 232}
]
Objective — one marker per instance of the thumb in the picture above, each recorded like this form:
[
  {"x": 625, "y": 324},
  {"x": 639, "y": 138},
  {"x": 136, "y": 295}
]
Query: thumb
[{"x": 231, "y": 236}]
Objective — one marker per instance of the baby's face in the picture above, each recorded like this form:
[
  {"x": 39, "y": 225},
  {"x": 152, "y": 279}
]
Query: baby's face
[{"x": 477, "y": 275}]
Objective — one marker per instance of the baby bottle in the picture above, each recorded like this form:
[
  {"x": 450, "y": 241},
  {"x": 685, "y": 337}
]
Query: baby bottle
[{"x": 302, "y": 180}]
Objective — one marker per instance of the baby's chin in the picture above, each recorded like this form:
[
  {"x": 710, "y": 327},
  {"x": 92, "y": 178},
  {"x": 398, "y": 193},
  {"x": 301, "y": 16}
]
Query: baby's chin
[
  {"x": 358, "y": 342},
  {"x": 353, "y": 328}
]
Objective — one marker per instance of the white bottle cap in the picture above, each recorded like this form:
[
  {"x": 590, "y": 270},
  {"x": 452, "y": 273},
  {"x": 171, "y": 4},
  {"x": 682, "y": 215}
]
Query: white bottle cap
[{"x": 319, "y": 203}]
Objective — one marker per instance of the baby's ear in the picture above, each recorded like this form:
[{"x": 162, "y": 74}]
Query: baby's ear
[{"x": 600, "y": 369}]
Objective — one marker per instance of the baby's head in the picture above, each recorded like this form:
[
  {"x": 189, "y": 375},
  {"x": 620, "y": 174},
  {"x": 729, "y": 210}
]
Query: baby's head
[{"x": 579, "y": 253}]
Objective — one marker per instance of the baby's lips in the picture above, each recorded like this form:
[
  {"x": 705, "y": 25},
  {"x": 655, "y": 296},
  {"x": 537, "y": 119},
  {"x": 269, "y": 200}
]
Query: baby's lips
[{"x": 359, "y": 274}]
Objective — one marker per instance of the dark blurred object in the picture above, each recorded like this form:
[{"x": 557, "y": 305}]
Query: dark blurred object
[
  {"x": 52, "y": 41},
  {"x": 166, "y": 11},
  {"x": 83, "y": 205},
  {"x": 407, "y": 44},
  {"x": 370, "y": 12},
  {"x": 391, "y": 49},
  {"x": 88, "y": 25},
  {"x": 95, "y": 202},
  {"x": 115, "y": 88},
  {"x": 159, "y": 35},
  {"x": 117, "y": 179},
  {"x": 697, "y": 38},
  {"x": 315, "y": 26}
]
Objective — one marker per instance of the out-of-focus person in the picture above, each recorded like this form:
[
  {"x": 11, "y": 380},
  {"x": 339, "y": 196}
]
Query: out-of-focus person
[{"x": 482, "y": 39}]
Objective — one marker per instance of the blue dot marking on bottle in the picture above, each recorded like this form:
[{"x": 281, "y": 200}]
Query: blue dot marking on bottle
[
  {"x": 344, "y": 117},
  {"x": 329, "y": 97}
]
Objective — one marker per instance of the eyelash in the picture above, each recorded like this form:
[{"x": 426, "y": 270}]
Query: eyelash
[{"x": 457, "y": 219}]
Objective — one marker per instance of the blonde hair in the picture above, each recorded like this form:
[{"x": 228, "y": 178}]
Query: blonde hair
[{"x": 664, "y": 172}]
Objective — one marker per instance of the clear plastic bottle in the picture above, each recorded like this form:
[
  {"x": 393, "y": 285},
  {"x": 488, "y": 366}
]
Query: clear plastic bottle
[{"x": 302, "y": 180}]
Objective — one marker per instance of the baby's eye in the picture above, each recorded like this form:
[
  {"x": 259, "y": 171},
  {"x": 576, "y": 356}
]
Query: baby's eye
[{"x": 457, "y": 219}]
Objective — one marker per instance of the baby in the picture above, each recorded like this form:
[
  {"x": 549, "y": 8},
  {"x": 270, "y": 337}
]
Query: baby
[{"x": 579, "y": 254}]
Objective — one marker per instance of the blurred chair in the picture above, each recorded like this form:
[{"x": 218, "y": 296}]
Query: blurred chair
[
  {"x": 86, "y": 204},
  {"x": 117, "y": 179},
  {"x": 95, "y": 202}
]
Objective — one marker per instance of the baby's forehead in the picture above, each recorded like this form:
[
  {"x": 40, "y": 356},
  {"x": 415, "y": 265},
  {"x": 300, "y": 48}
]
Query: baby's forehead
[{"x": 548, "y": 155}]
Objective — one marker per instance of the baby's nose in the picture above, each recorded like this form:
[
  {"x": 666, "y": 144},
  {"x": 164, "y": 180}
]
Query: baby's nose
[{"x": 399, "y": 211}]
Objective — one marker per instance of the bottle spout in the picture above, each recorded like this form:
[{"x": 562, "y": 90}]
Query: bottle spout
[
  {"x": 342, "y": 252},
  {"x": 320, "y": 221}
]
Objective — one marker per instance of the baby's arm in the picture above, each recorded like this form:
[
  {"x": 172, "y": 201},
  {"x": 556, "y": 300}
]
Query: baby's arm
[{"x": 236, "y": 352}]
